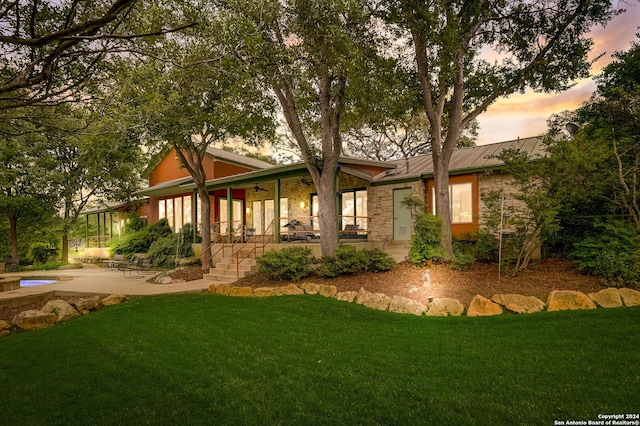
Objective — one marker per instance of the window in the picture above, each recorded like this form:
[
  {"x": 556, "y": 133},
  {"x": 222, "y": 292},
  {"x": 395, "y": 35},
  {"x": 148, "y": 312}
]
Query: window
[
  {"x": 353, "y": 205},
  {"x": 460, "y": 202},
  {"x": 176, "y": 210},
  {"x": 237, "y": 219},
  {"x": 264, "y": 213},
  {"x": 354, "y": 208}
]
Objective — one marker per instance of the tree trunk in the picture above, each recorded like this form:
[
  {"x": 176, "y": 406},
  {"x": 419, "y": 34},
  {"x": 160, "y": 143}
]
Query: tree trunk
[
  {"x": 327, "y": 213},
  {"x": 65, "y": 246},
  {"x": 205, "y": 226},
  {"x": 441, "y": 183},
  {"x": 13, "y": 236}
]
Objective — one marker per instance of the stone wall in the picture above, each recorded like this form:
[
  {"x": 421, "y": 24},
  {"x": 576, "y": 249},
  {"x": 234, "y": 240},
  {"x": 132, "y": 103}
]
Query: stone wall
[
  {"x": 558, "y": 300},
  {"x": 380, "y": 208}
]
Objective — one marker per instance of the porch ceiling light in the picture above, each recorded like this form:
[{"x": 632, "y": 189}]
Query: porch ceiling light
[
  {"x": 305, "y": 181},
  {"x": 258, "y": 188}
]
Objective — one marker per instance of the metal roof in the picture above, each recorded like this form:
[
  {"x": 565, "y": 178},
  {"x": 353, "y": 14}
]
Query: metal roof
[
  {"x": 462, "y": 160},
  {"x": 238, "y": 159}
]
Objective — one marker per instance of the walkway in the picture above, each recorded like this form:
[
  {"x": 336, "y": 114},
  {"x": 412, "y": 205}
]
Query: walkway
[{"x": 100, "y": 280}]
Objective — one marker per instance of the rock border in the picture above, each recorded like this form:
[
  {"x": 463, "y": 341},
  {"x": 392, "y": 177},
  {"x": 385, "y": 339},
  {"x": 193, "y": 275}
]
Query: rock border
[
  {"x": 558, "y": 300},
  {"x": 57, "y": 310}
]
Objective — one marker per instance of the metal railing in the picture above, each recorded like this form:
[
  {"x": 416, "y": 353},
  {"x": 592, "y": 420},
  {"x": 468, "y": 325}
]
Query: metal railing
[{"x": 255, "y": 243}]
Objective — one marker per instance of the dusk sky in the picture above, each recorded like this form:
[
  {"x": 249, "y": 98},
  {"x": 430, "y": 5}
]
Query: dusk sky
[{"x": 526, "y": 115}]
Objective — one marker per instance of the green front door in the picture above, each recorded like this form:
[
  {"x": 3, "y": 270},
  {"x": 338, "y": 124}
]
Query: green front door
[{"x": 401, "y": 215}]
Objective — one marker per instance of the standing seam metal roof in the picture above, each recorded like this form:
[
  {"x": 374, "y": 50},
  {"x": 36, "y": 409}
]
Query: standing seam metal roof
[{"x": 473, "y": 158}]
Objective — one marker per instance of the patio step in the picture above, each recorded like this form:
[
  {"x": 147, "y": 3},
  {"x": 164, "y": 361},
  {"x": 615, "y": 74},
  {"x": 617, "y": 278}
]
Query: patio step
[
  {"x": 227, "y": 271},
  {"x": 398, "y": 250}
]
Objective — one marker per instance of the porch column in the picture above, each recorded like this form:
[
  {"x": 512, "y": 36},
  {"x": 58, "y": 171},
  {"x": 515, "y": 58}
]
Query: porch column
[
  {"x": 98, "y": 217},
  {"x": 230, "y": 213},
  {"x": 336, "y": 187},
  {"x": 276, "y": 212},
  {"x": 86, "y": 231},
  {"x": 194, "y": 214},
  {"x": 110, "y": 224}
]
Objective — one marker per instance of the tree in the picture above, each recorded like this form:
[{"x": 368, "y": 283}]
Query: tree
[
  {"x": 321, "y": 60},
  {"x": 23, "y": 184},
  {"x": 541, "y": 45},
  {"x": 612, "y": 119},
  {"x": 51, "y": 49},
  {"x": 199, "y": 96}
]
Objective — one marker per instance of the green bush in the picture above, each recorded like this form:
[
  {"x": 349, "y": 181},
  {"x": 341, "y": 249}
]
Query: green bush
[
  {"x": 290, "y": 263},
  {"x": 378, "y": 260},
  {"x": 140, "y": 241},
  {"x": 486, "y": 248},
  {"x": 39, "y": 253},
  {"x": 164, "y": 251},
  {"x": 425, "y": 245},
  {"x": 348, "y": 260},
  {"x": 611, "y": 251}
]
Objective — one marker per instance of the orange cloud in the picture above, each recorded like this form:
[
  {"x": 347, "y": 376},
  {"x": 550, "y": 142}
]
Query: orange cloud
[{"x": 524, "y": 115}]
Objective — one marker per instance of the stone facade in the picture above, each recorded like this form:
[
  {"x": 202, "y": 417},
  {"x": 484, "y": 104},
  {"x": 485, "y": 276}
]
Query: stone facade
[{"x": 380, "y": 209}]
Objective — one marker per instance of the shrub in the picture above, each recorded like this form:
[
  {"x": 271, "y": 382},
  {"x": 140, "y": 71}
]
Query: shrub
[
  {"x": 140, "y": 241},
  {"x": 377, "y": 260},
  {"x": 611, "y": 251},
  {"x": 345, "y": 260},
  {"x": 290, "y": 263},
  {"x": 39, "y": 253},
  {"x": 486, "y": 248},
  {"x": 462, "y": 261},
  {"x": 425, "y": 245},
  {"x": 348, "y": 260},
  {"x": 164, "y": 251}
]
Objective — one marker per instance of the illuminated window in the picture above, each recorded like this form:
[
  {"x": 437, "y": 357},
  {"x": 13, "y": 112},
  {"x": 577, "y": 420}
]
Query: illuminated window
[{"x": 460, "y": 202}]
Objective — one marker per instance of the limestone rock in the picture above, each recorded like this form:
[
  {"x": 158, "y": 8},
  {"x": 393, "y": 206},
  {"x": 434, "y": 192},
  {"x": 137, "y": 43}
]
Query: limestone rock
[
  {"x": 33, "y": 319},
  {"x": 113, "y": 299},
  {"x": 379, "y": 301},
  {"x": 310, "y": 288},
  {"x": 518, "y": 303},
  {"x": 5, "y": 328},
  {"x": 404, "y": 305},
  {"x": 87, "y": 303},
  {"x": 212, "y": 288},
  {"x": 241, "y": 291},
  {"x": 562, "y": 300},
  {"x": 327, "y": 290},
  {"x": 362, "y": 295},
  {"x": 630, "y": 297},
  {"x": 347, "y": 296},
  {"x": 290, "y": 289},
  {"x": 442, "y": 307},
  {"x": 263, "y": 292},
  {"x": 607, "y": 298},
  {"x": 482, "y": 307},
  {"x": 61, "y": 309},
  {"x": 223, "y": 289}
]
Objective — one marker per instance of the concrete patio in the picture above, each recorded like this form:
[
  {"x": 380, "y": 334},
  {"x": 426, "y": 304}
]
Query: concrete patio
[{"x": 93, "y": 279}]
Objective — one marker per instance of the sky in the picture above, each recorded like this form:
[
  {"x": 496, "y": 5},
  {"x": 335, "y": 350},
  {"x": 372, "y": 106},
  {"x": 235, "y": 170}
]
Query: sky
[{"x": 525, "y": 115}]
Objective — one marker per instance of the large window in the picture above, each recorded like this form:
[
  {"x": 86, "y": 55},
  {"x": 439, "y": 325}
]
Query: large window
[
  {"x": 237, "y": 217},
  {"x": 264, "y": 213},
  {"x": 353, "y": 208},
  {"x": 176, "y": 210},
  {"x": 460, "y": 202}
]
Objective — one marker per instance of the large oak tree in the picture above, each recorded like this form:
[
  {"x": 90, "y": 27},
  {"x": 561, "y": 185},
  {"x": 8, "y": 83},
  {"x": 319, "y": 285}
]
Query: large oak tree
[{"x": 541, "y": 45}]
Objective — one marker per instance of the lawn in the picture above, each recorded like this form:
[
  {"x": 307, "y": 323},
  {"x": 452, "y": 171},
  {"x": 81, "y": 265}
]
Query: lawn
[{"x": 208, "y": 359}]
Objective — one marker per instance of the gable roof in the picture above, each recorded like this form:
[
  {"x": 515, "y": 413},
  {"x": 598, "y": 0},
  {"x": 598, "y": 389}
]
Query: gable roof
[{"x": 462, "y": 160}]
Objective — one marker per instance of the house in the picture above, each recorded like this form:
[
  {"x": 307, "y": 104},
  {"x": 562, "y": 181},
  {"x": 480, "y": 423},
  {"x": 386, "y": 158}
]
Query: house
[{"x": 251, "y": 198}]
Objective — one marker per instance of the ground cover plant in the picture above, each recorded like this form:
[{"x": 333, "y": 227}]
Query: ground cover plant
[{"x": 208, "y": 359}]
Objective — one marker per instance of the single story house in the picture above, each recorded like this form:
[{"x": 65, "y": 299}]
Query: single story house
[{"x": 251, "y": 197}]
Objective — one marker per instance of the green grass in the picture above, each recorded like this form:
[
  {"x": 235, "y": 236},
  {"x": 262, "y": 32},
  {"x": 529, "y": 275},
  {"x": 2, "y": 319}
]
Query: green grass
[{"x": 206, "y": 359}]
